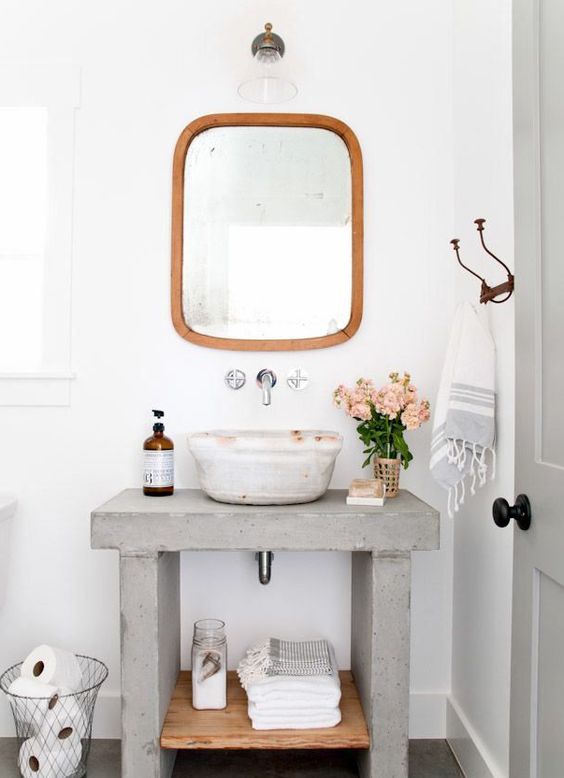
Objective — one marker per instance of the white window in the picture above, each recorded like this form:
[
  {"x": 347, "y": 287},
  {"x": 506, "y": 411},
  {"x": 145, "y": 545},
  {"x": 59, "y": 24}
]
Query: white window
[{"x": 37, "y": 105}]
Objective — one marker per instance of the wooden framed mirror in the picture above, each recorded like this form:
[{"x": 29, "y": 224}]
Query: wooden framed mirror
[{"x": 267, "y": 232}]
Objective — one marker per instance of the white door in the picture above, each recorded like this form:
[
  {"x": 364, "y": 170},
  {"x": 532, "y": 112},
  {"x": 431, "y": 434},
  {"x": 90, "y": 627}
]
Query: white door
[{"x": 537, "y": 675}]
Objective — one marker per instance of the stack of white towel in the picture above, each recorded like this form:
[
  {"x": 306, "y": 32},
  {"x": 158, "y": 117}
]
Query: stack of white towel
[
  {"x": 49, "y": 714},
  {"x": 291, "y": 685}
]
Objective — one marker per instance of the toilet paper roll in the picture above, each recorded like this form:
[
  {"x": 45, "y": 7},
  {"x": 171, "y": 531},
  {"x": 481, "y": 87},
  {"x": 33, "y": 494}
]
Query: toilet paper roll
[
  {"x": 35, "y": 760},
  {"x": 31, "y": 701},
  {"x": 66, "y": 739},
  {"x": 30, "y": 687},
  {"x": 54, "y": 666},
  {"x": 65, "y": 713}
]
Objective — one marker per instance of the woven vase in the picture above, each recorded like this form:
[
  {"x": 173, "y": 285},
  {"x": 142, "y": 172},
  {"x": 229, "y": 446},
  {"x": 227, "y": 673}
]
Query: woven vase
[{"x": 388, "y": 471}]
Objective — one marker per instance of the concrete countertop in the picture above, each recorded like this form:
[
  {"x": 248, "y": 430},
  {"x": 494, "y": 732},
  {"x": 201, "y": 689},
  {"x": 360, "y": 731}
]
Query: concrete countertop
[{"x": 189, "y": 520}]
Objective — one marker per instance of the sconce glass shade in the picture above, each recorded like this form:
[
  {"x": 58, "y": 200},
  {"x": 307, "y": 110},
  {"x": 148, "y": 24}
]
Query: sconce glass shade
[{"x": 266, "y": 82}]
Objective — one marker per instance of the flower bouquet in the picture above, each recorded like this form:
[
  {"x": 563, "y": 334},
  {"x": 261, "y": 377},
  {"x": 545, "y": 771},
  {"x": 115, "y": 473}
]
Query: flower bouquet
[{"x": 384, "y": 415}]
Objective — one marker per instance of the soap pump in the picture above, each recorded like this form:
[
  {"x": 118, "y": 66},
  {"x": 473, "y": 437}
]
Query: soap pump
[{"x": 158, "y": 461}]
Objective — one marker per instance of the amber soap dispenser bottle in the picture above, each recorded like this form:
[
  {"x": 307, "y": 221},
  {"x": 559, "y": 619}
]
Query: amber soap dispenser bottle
[{"x": 158, "y": 461}]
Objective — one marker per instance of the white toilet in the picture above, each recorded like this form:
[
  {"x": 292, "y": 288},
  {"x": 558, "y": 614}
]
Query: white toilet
[{"x": 8, "y": 504}]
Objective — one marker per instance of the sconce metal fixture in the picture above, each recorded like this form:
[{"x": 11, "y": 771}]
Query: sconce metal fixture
[
  {"x": 488, "y": 293},
  {"x": 266, "y": 83},
  {"x": 267, "y": 44}
]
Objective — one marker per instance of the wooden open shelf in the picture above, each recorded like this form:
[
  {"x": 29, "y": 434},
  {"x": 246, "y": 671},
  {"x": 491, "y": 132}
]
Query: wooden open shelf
[{"x": 186, "y": 728}]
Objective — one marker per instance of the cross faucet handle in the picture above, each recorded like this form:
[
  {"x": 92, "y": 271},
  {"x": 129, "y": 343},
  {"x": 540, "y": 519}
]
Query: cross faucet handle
[{"x": 297, "y": 379}]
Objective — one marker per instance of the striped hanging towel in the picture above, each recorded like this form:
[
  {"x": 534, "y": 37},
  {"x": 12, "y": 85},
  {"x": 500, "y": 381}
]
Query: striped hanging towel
[
  {"x": 277, "y": 657},
  {"x": 464, "y": 418}
]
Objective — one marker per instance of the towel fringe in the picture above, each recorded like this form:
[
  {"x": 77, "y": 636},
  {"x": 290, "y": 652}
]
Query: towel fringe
[
  {"x": 462, "y": 455},
  {"x": 458, "y": 452},
  {"x": 253, "y": 666},
  {"x": 483, "y": 467}
]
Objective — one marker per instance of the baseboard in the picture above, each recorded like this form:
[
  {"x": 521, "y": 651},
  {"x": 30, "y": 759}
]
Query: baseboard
[
  {"x": 427, "y": 715},
  {"x": 107, "y": 716},
  {"x": 467, "y": 747}
]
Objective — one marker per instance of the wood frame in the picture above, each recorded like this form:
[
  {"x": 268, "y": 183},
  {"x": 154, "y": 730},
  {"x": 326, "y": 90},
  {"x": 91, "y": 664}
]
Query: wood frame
[{"x": 266, "y": 120}]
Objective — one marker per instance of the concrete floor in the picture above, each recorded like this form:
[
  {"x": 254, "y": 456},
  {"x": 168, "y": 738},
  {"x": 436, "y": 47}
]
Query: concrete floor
[{"x": 427, "y": 758}]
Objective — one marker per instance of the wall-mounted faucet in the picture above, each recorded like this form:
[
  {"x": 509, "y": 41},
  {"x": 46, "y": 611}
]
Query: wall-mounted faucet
[{"x": 266, "y": 379}]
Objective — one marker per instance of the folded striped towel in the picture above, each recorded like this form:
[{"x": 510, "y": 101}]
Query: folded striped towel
[
  {"x": 275, "y": 658},
  {"x": 464, "y": 417}
]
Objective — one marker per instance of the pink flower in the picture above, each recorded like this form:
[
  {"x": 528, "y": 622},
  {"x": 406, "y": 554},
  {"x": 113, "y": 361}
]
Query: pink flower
[
  {"x": 389, "y": 400},
  {"x": 361, "y": 411},
  {"x": 410, "y": 417},
  {"x": 355, "y": 402},
  {"x": 358, "y": 396},
  {"x": 339, "y": 395},
  {"x": 425, "y": 410},
  {"x": 415, "y": 414}
]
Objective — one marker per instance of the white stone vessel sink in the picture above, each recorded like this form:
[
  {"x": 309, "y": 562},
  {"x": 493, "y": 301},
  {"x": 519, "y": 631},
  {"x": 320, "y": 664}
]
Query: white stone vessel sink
[{"x": 265, "y": 467}]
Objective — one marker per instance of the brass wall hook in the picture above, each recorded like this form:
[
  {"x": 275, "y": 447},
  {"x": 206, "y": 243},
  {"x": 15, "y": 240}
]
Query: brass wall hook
[{"x": 487, "y": 293}]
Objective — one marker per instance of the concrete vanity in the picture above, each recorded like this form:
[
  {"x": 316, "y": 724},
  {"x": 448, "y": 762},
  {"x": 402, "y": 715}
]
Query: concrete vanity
[{"x": 150, "y": 532}]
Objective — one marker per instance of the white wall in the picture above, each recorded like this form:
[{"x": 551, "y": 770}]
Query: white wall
[
  {"x": 147, "y": 70},
  {"x": 478, "y": 725}
]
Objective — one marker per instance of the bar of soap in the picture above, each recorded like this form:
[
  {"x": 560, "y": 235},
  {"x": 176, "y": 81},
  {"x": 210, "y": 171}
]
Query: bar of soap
[{"x": 366, "y": 487}]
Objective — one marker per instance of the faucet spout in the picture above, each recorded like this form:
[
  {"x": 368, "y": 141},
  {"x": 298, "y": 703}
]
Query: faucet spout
[
  {"x": 266, "y": 379},
  {"x": 266, "y": 389}
]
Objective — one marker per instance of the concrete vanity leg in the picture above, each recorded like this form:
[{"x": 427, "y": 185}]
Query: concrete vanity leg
[
  {"x": 150, "y": 659},
  {"x": 380, "y": 658}
]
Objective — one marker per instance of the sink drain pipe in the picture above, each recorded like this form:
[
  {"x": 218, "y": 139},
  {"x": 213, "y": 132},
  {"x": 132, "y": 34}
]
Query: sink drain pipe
[{"x": 264, "y": 559}]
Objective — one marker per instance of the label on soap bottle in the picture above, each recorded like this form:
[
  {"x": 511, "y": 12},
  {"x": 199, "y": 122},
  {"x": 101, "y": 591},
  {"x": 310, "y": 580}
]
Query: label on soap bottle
[{"x": 158, "y": 468}]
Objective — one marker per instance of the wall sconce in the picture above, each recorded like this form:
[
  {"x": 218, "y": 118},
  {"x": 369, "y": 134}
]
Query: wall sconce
[{"x": 267, "y": 83}]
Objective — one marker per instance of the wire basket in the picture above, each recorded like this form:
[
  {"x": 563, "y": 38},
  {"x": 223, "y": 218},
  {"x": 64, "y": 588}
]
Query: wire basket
[{"x": 54, "y": 733}]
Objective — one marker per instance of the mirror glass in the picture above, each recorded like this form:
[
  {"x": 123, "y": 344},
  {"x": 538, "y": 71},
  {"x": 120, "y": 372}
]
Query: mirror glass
[{"x": 267, "y": 233}]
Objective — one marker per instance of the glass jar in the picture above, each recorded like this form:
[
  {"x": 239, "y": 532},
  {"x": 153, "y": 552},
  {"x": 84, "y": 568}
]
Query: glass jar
[{"x": 209, "y": 665}]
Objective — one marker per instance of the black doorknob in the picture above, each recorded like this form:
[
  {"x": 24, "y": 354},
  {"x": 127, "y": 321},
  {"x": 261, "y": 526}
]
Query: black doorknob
[{"x": 521, "y": 512}]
